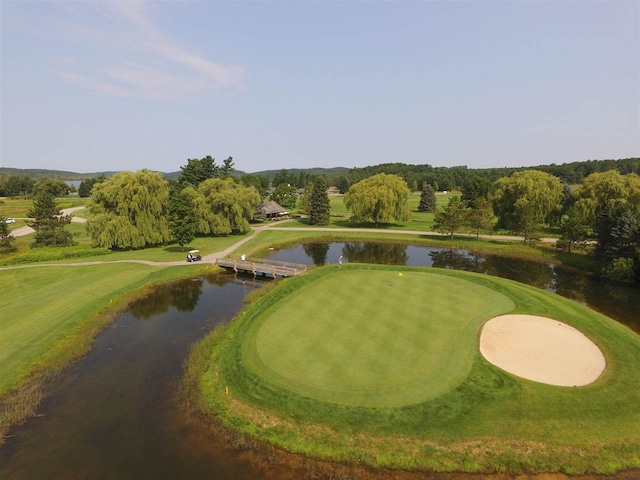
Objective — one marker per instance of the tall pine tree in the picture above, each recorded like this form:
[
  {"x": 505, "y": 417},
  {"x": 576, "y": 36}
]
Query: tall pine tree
[
  {"x": 319, "y": 208},
  {"x": 427, "y": 199},
  {"x": 49, "y": 223}
]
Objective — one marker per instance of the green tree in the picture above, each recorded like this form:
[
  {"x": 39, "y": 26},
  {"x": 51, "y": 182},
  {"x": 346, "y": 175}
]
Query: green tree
[
  {"x": 618, "y": 231},
  {"x": 223, "y": 206},
  {"x": 197, "y": 171},
  {"x": 227, "y": 168},
  {"x": 49, "y": 222},
  {"x": 55, "y": 187},
  {"x": 452, "y": 218},
  {"x": 573, "y": 230},
  {"x": 524, "y": 200},
  {"x": 610, "y": 203},
  {"x": 84, "y": 190},
  {"x": 319, "y": 208},
  {"x": 305, "y": 200},
  {"x": 285, "y": 195},
  {"x": 18, "y": 185},
  {"x": 6, "y": 240},
  {"x": 600, "y": 191},
  {"x": 284, "y": 177},
  {"x": 475, "y": 187},
  {"x": 183, "y": 220},
  {"x": 129, "y": 211},
  {"x": 377, "y": 199},
  {"x": 259, "y": 182},
  {"x": 427, "y": 199},
  {"x": 481, "y": 217}
]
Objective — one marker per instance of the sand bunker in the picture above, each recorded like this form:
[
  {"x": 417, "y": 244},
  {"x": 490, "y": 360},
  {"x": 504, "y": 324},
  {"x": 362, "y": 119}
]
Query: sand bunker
[{"x": 542, "y": 350}]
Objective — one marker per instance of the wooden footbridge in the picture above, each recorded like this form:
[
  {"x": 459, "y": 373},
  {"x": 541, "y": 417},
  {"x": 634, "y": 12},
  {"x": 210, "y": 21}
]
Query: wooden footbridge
[{"x": 262, "y": 266}]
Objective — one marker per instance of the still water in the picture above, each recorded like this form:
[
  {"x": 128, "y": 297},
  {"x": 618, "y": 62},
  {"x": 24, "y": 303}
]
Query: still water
[{"x": 116, "y": 414}]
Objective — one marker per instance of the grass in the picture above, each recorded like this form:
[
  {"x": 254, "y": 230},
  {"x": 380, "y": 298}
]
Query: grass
[
  {"x": 160, "y": 253},
  {"x": 486, "y": 421},
  {"x": 426, "y": 359},
  {"x": 19, "y": 207}
]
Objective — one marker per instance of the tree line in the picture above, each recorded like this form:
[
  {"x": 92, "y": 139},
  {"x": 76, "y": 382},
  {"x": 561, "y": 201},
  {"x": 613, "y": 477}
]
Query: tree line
[
  {"x": 138, "y": 209},
  {"x": 605, "y": 210}
]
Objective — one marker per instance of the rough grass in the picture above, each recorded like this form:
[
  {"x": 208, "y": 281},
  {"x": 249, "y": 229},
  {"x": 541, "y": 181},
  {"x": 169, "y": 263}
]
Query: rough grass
[
  {"x": 50, "y": 317},
  {"x": 491, "y": 421}
]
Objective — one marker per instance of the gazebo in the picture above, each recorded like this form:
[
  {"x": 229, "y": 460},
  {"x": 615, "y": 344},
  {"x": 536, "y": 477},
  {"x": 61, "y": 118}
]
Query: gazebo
[{"x": 271, "y": 209}]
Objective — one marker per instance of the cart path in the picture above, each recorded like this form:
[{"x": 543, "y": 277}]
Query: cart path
[{"x": 26, "y": 230}]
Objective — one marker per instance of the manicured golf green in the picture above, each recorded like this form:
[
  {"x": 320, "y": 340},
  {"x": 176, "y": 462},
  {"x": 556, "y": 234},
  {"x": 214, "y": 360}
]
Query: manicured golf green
[
  {"x": 383, "y": 339},
  {"x": 360, "y": 364}
]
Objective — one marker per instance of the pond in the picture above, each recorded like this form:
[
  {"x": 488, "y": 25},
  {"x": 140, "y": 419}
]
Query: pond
[{"x": 116, "y": 413}]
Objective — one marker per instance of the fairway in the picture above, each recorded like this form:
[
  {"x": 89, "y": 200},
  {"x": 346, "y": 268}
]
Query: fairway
[{"x": 375, "y": 339}]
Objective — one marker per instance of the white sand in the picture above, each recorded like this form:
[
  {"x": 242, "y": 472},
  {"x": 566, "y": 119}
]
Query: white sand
[{"x": 542, "y": 350}]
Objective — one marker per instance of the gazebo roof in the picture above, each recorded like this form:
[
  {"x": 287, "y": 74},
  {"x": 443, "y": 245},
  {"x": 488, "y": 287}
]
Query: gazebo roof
[{"x": 272, "y": 208}]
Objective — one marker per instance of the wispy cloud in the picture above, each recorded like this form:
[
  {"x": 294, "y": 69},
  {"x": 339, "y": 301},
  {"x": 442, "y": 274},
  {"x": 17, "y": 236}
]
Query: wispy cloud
[{"x": 130, "y": 57}]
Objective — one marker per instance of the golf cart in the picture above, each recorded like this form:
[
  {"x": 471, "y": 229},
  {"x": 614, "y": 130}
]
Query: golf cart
[{"x": 193, "y": 256}]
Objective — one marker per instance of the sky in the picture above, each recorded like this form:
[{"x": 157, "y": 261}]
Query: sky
[{"x": 91, "y": 86}]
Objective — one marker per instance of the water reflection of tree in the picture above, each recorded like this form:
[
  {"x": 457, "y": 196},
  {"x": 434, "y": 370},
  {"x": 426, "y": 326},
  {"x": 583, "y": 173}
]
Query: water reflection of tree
[
  {"x": 455, "y": 260},
  {"x": 183, "y": 295},
  {"x": 538, "y": 274},
  {"x": 317, "y": 251},
  {"x": 381, "y": 253},
  {"x": 572, "y": 284}
]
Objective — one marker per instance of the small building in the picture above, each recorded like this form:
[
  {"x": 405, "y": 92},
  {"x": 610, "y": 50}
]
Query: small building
[
  {"x": 271, "y": 209},
  {"x": 333, "y": 191}
]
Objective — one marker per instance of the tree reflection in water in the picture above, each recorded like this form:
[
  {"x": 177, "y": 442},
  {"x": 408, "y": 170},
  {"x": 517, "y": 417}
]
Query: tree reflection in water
[
  {"x": 182, "y": 295},
  {"x": 317, "y": 251},
  {"x": 380, "y": 253}
]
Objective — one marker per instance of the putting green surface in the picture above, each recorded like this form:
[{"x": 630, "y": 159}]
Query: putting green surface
[{"x": 375, "y": 340}]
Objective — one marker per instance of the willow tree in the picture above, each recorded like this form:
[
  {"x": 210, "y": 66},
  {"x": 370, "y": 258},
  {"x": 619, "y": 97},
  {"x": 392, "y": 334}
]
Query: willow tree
[
  {"x": 610, "y": 203},
  {"x": 222, "y": 206},
  {"x": 129, "y": 211},
  {"x": 604, "y": 190},
  {"x": 523, "y": 201},
  {"x": 381, "y": 198}
]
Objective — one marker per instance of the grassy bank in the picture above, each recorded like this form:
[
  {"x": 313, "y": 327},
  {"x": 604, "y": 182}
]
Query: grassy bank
[
  {"x": 490, "y": 421},
  {"x": 51, "y": 316},
  {"x": 159, "y": 253}
]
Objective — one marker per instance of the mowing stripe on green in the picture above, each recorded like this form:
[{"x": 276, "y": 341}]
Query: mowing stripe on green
[{"x": 374, "y": 338}]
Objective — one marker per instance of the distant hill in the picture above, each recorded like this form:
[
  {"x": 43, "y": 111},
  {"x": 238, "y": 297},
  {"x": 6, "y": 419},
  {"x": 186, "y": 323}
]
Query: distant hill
[
  {"x": 71, "y": 176},
  {"x": 44, "y": 173},
  {"x": 329, "y": 172},
  {"x": 571, "y": 173}
]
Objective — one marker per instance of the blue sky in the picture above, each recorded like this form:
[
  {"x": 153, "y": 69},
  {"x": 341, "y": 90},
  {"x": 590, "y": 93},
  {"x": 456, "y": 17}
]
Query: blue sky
[{"x": 124, "y": 85}]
